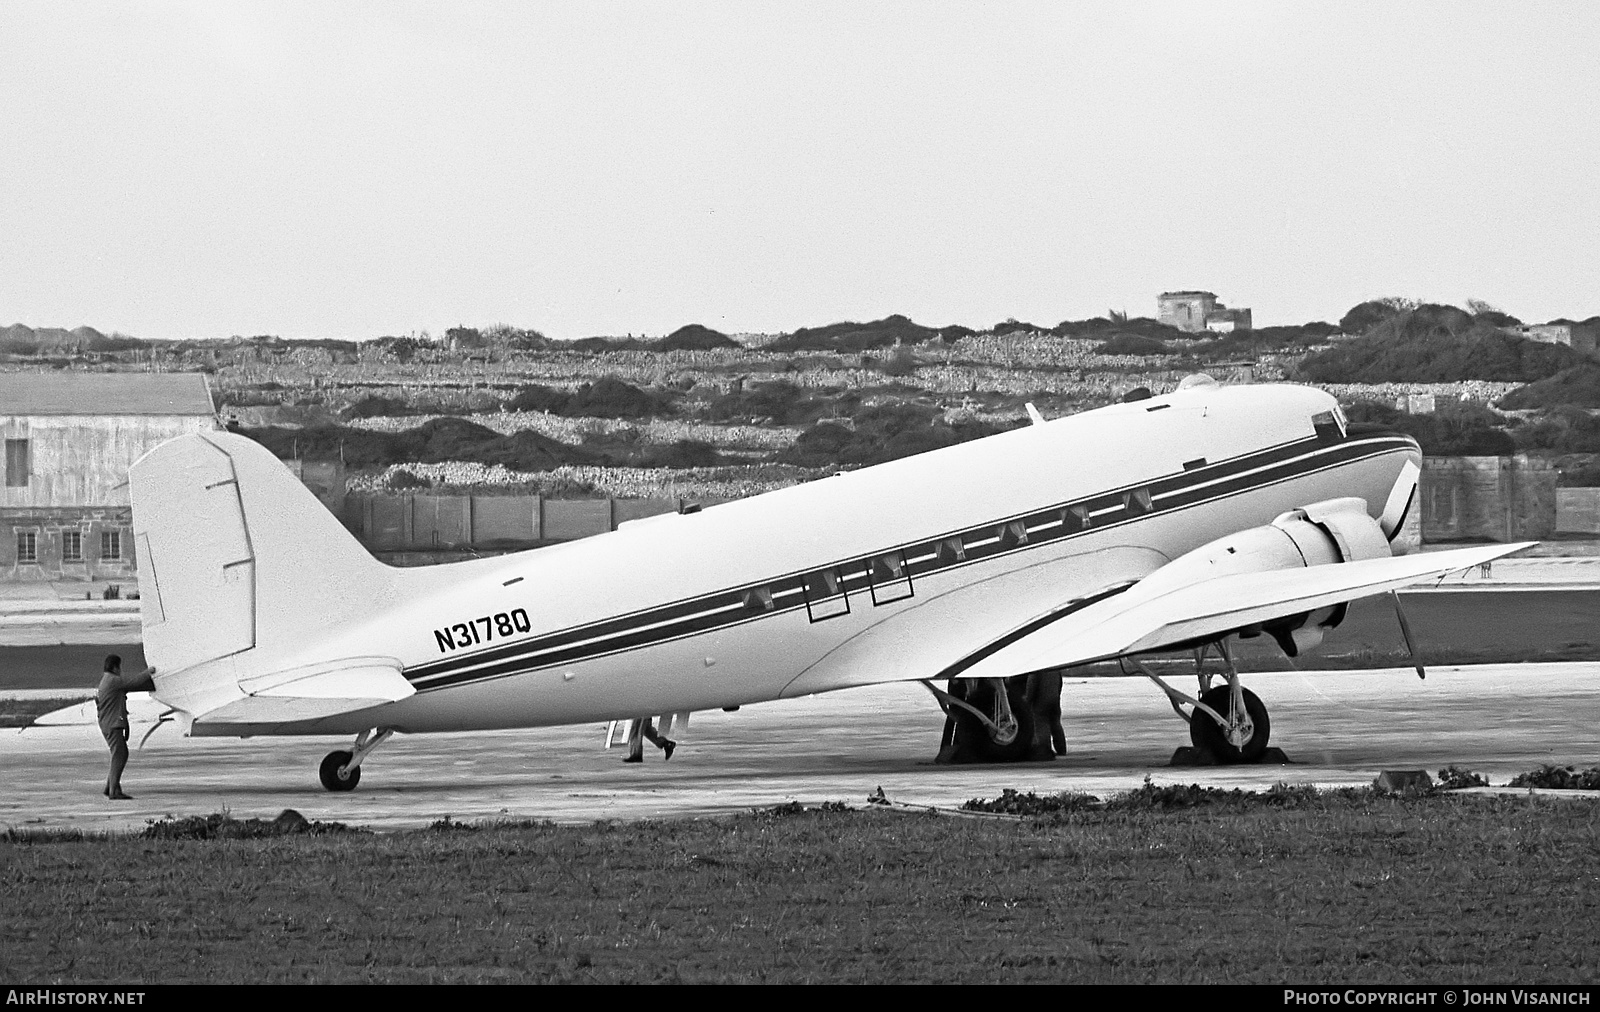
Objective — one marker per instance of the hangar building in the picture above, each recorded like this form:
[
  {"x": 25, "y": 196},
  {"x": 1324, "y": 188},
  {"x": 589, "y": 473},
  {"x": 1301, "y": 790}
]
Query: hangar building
[{"x": 69, "y": 440}]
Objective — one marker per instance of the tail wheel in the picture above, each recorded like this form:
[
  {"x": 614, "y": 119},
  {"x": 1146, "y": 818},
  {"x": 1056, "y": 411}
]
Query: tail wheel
[
  {"x": 1206, "y": 735},
  {"x": 331, "y": 776}
]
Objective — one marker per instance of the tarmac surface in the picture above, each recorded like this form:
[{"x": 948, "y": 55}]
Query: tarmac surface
[{"x": 1339, "y": 728}]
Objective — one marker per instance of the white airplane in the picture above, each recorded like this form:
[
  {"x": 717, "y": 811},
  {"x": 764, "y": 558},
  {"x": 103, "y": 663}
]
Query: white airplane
[{"x": 1169, "y": 522}]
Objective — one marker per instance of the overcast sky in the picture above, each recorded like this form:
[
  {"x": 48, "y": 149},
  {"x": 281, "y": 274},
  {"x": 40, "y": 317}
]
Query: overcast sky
[{"x": 359, "y": 169}]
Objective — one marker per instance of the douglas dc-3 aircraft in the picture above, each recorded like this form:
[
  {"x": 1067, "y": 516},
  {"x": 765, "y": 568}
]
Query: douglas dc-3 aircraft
[{"x": 1155, "y": 524}]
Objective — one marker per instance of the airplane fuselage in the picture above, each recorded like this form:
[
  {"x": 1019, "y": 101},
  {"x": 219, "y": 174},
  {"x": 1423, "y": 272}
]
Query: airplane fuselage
[{"x": 899, "y": 571}]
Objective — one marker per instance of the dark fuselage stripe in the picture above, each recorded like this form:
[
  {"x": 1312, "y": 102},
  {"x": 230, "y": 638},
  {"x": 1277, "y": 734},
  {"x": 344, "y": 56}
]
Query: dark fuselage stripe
[{"x": 728, "y": 608}]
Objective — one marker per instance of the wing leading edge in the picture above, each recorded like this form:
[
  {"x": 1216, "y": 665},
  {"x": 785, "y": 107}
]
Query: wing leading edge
[{"x": 1132, "y": 622}]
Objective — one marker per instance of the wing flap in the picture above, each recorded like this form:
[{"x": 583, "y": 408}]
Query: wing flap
[{"x": 1132, "y": 623}]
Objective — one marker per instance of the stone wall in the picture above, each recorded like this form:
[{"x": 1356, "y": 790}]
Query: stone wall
[{"x": 1487, "y": 499}]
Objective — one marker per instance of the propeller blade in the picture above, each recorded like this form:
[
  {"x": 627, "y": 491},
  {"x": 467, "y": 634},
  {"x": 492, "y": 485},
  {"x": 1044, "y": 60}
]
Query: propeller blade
[{"x": 1405, "y": 633}]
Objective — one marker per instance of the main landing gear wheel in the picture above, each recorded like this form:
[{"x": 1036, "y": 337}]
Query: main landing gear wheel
[
  {"x": 1012, "y": 744},
  {"x": 1207, "y": 736},
  {"x": 331, "y": 776}
]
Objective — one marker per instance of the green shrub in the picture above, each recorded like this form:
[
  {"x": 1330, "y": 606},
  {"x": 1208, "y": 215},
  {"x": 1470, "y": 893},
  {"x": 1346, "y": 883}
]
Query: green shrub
[
  {"x": 1576, "y": 386},
  {"x": 610, "y": 397},
  {"x": 1457, "y": 777},
  {"x": 1560, "y": 778},
  {"x": 1436, "y": 344},
  {"x": 683, "y": 453},
  {"x": 1011, "y": 802},
  {"x": 779, "y": 401},
  {"x": 1462, "y": 429},
  {"x": 855, "y": 337},
  {"x": 1567, "y": 429},
  {"x": 695, "y": 337},
  {"x": 536, "y": 397},
  {"x": 375, "y": 406},
  {"x": 401, "y": 479}
]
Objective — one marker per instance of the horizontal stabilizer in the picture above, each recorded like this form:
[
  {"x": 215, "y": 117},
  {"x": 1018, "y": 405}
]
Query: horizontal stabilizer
[
  {"x": 266, "y": 712},
  {"x": 352, "y": 677},
  {"x": 143, "y": 708},
  {"x": 1132, "y": 623},
  {"x": 313, "y": 692}
]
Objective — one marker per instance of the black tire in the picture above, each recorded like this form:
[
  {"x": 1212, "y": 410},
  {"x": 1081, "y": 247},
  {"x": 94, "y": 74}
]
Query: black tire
[
  {"x": 1207, "y": 736},
  {"x": 972, "y": 732},
  {"x": 329, "y": 772}
]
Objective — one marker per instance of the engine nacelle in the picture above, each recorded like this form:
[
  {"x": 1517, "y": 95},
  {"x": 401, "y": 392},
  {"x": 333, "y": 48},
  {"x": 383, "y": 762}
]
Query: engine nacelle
[{"x": 1323, "y": 533}]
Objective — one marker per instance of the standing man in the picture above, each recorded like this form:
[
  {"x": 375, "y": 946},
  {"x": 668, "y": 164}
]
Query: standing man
[{"x": 111, "y": 701}]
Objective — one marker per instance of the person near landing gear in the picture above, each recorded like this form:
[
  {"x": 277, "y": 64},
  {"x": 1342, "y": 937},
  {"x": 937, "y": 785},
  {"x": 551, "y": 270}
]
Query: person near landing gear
[
  {"x": 111, "y": 703},
  {"x": 644, "y": 727}
]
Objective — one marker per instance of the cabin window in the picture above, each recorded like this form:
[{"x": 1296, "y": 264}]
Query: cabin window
[
  {"x": 110, "y": 546},
  {"x": 890, "y": 578},
  {"x": 952, "y": 551},
  {"x": 27, "y": 547},
  {"x": 758, "y": 600},
  {"x": 1137, "y": 502},
  {"x": 17, "y": 469},
  {"x": 71, "y": 546},
  {"x": 1013, "y": 534},
  {"x": 825, "y": 594}
]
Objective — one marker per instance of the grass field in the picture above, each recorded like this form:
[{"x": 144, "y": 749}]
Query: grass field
[{"x": 1346, "y": 886}]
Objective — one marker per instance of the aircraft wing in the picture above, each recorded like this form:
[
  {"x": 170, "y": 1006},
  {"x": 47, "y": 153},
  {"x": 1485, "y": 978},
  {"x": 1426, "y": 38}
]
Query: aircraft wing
[{"x": 1131, "y": 623}]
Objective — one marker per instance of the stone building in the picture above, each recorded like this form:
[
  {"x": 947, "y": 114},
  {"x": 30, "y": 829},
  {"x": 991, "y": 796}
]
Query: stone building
[
  {"x": 69, "y": 440},
  {"x": 1194, "y": 312},
  {"x": 1575, "y": 336}
]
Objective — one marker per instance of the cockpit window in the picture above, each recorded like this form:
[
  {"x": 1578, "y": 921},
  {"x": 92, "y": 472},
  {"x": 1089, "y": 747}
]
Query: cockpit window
[{"x": 1330, "y": 425}]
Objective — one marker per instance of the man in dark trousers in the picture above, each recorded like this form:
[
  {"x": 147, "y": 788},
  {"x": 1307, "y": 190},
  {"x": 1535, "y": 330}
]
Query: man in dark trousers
[
  {"x": 643, "y": 728},
  {"x": 111, "y": 700}
]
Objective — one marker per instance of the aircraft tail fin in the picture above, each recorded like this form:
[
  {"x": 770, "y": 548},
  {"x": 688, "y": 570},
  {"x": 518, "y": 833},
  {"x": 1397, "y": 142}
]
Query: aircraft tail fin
[{"x": 235, "y": 553}]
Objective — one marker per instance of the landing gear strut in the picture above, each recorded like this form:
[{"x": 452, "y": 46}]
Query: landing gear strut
[
  {"x": 341, "y": 770},
  {"x": 988, "y": 720},
  {"x": 1227, "y": 723}
]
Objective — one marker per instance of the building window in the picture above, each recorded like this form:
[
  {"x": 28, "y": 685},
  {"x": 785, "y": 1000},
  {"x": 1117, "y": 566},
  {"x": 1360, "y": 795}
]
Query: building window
[
  {"x": 71, "y": 546},
  {"x": 16, "y": 463},
  {"x": 27, "y": 547},
  {"x": 110, "y": 546}
]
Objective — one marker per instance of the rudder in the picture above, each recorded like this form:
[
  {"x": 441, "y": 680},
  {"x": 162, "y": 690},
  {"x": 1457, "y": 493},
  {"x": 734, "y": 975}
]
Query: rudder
[{"x": 235, "y": 553}]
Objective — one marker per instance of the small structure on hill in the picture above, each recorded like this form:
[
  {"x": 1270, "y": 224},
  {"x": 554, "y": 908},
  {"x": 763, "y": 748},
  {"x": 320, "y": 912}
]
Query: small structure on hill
[
  {"x": 1414, "y": 403},
  {"x": 69, "y": 440},
  {"x": 1576, "y": 336},
  {"x": 1194, "y": 312}
]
